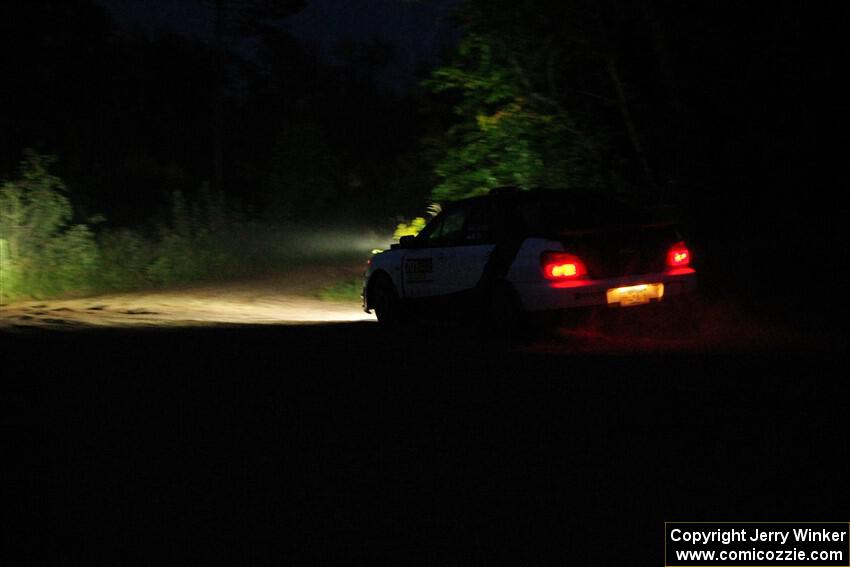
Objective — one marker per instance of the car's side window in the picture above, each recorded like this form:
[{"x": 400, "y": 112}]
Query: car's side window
[
  {"x": 448, "y": 229},
  {"x": 479, "y": 224},
  {"x": 452, "y": 232},
  {"x": 431, "y": 231}
]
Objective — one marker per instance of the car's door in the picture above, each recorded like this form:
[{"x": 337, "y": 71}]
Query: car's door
[
  {"x": 466, "y": 253},
  {"x": 424, "y": 265}
]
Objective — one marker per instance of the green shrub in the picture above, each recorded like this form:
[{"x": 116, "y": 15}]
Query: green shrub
[
  {"x": 199, "y": 240},
  {"x": 41, "y": 252},
  {"x": 124, "y": 258},
  {"x": 412, "y": 228}
]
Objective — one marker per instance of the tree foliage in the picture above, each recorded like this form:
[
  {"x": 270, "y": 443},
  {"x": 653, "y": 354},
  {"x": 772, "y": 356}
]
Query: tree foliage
[
  {"x": 540, "y": 99},
  {"x": 505, "y": 136},
  {"x": 509, "y": 131}
]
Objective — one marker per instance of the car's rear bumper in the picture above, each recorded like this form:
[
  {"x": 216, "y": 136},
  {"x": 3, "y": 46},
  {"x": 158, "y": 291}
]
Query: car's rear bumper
[{"x": 547, "y": 295}]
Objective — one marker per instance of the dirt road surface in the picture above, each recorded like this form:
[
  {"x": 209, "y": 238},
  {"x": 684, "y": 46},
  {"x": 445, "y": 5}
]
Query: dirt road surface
[{"x": 290, "y": 298}]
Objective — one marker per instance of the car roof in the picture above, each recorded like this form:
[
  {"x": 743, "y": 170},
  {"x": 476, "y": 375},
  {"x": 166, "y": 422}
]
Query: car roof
[{"x": 618, "y": 209}]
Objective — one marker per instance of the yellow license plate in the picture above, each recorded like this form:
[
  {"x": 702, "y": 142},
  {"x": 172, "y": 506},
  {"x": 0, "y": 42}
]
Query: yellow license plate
[{"x": 635, "y": 294}]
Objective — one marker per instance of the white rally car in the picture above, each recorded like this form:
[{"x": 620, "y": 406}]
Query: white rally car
[{"x": 513, "y": 252}]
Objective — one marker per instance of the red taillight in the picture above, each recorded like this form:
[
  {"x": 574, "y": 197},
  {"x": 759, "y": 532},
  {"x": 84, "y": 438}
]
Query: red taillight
[
  {"x": 561, "y": 266},
  {"x": 678, "y": 255}
]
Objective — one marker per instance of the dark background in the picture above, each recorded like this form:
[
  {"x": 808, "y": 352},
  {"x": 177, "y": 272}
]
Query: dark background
[{"x": 340, "y": 444}]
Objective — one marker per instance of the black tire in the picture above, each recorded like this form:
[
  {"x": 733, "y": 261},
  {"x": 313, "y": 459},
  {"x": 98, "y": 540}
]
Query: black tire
[{"x": 385, "y": 301}]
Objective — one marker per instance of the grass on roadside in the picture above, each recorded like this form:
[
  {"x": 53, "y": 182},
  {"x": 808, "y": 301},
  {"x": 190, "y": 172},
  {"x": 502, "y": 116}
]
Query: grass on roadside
[{"x": 347, "y": 290}]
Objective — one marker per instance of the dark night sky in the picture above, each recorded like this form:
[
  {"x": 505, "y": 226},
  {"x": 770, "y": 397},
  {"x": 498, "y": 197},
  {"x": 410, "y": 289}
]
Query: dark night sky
[{"x": 416, "y": 28}]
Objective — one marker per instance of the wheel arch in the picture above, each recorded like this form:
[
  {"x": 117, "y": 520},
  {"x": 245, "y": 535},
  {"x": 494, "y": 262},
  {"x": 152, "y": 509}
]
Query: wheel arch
[
  {"x": 504, "y": 285},
  {"x": 377, "y": 276}
]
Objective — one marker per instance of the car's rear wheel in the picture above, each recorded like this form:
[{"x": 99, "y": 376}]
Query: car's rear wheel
[
  {"x": 505, "y": 316},
  {"x": 386, "y": 303}
]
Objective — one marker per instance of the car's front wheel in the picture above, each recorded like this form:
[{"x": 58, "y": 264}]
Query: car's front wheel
[{"x": 386, "y": 303}]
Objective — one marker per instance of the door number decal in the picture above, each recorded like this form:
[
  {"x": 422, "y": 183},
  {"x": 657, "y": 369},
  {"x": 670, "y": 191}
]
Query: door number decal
[{"x": 418, "y": 269}]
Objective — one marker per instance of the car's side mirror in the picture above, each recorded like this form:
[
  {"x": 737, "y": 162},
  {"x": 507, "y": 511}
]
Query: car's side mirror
[{"x": 407, "y": 241}]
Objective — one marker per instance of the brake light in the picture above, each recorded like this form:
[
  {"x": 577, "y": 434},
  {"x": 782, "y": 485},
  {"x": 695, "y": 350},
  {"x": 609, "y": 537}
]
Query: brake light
[
  {"x": 678, "y": 255},
  {"x": 561, "y": 266}
]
